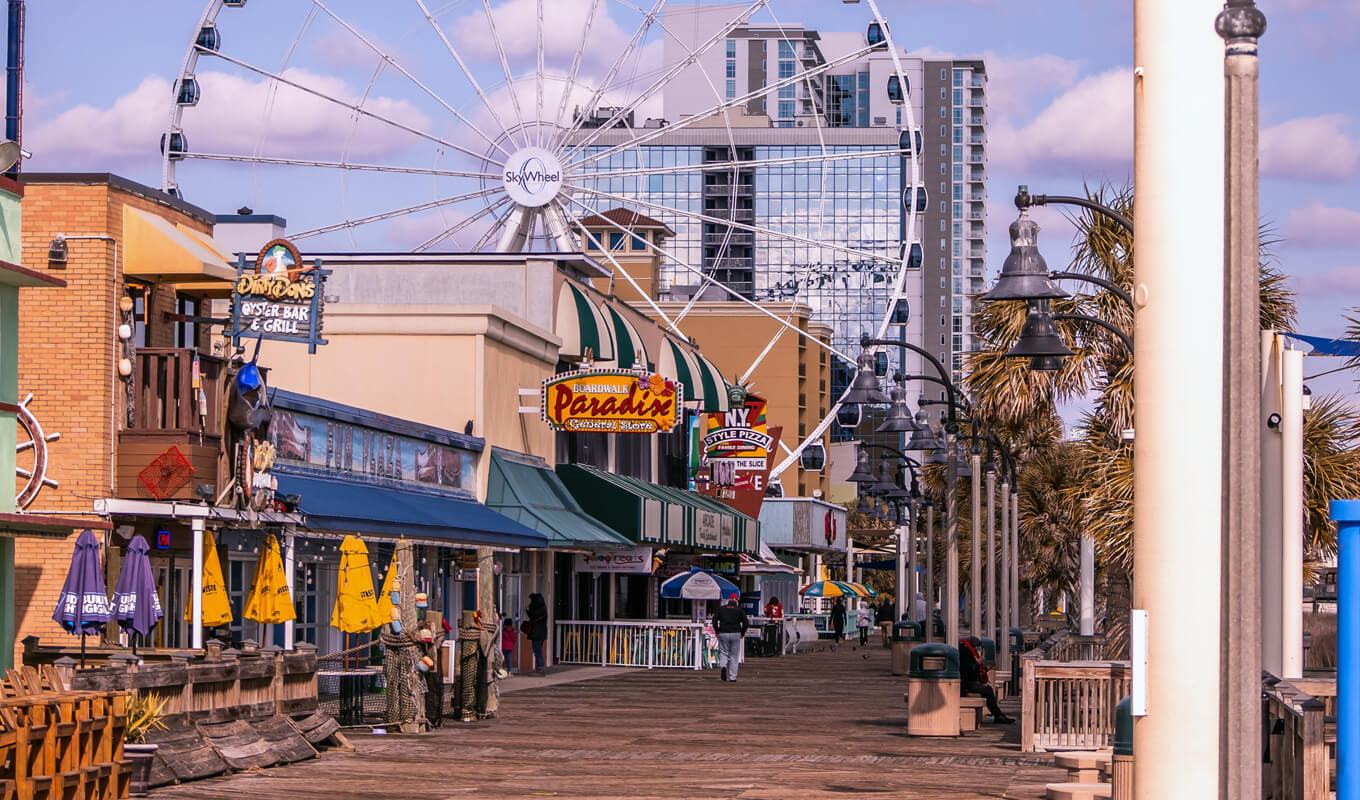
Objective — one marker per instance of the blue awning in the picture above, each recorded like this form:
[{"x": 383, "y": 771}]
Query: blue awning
[
  {"x": 1323, "y": 346},
  {"x": 363, "y": 508}
]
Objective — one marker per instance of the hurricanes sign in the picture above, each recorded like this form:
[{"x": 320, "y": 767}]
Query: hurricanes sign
[{"x": 611, "y": 401}]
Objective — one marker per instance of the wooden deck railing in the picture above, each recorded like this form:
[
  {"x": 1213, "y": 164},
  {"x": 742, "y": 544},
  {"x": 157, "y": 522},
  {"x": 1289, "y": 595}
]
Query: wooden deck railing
[
  {"x": 1069, "y": 704},
  {"x": 164, "y": 398},
  {"x": 1301, "y": 739}
]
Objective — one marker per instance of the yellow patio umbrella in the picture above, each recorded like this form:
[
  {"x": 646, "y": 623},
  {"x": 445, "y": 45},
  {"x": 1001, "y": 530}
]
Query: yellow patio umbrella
[
  {"x": 356, "y": 609},
  {"x": 270, "y": 600},
  {"x": 216, "y": 604}
]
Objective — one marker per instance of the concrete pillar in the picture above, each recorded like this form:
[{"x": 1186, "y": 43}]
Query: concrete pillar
[
  {"x": 196, "y": 586},
  {"x": 1272, "y": 505},
  {"x": 1015, "y": 559},
  {"x": 1292, "y": 512},
  {"x": 989, "y": 555},
  {"x": 951, "y": 535},
  {"x": 975, "y": 572},
  {"x": 1003, "y": 619},
  {"x": 1178, "y": 479},
  {"x": 902, "y": 586},
  {"x": 289, "y": 570},
  {"x": 1087, "y": 625},
  {"x": 930, "y": 573}
]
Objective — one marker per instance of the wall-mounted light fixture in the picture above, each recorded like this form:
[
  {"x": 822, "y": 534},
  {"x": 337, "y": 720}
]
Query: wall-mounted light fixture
[{"x": 56, "y": 252}]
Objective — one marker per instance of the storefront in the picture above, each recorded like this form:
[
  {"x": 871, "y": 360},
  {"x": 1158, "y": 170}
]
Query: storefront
[{"x": 804, "y": 530}]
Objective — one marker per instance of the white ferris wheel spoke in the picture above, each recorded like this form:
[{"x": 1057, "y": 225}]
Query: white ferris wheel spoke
[
  {"x": 669, "y": 256},
  {"x": 459, "y": 227},
  {"x": 684, "y": 64},
  {"x": 477, "y": 87},
  {"x": 618, "y": 268},
  {"x": 354, "y": 223},
  {"x": 575, "y": 66},
  {"x": 863, "y": 254},
  {"x": 729, "y": 165},
  {"x": 505, "y": 68},
  {"x": 357, "y": 109},
  {"x": 732, "y": 103},
  {"x": 538, "y": 80},
  {"x": 490, "y": 234},
  {"x": 609, "y": 76},
  {"x": 388, "y": 59},
  {"x": 344, "y": 165}
]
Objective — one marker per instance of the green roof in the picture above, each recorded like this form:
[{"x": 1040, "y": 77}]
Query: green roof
[{"x": 528, "y": 491}]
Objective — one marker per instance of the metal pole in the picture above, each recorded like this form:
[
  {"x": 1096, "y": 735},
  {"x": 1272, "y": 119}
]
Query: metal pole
[
  {"x": 1291, "y": 562},
  {"x": 913, "y": 582},
  {"x": 1241, "y": 25},
  {"x": 1015, "y": 558},
  {"x": 1003, "y": 619},
  {"x": 975, "y": 571},
  {"x": 901, "y": 586},
  {"x": 289, "y": 570},
  {"x": 1178, "y": 280},
  {"x": 930, "y": 572},
  {"x": 1088, "y": 586},
  {"x": 196, "y": 587},
  {"x": 989, "y": 553},
  {"x": 951, "y": 535},
  {"x": 1346, "y": 513}
]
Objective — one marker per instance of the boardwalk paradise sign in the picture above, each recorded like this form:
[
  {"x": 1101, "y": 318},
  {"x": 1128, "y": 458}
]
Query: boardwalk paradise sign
[{"x": 611, "y": 401}]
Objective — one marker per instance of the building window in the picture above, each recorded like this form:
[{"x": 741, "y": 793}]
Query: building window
[
  {"x": 785, "y": 109},
  {"x": 731, "y": 68},
  {"x": 958, "y": 77},
  {"x": 786, "y": 49},
  {"x": 731, "y": 48},
  {"x": 958, "y": 97},
  {"x": 786, "y": 69},
  {"x": 731, "y": 89},
  {"x": 639, "y": 242},
  {"x": 616, "y": 240},
  {"x": 140, "y": 337},
  {"x": 186, "y": 333}
]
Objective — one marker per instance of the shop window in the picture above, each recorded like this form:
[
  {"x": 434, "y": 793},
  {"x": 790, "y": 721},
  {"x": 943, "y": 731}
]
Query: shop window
[
  {"x": 615, "y": 241},
  {"x": 140, "y": 335},
  {"x": 639, "y": 242},
  {"x": 633, "y": 456},
  {"x": 589, "y": 449},
  {"x": 186, "y": 333}
]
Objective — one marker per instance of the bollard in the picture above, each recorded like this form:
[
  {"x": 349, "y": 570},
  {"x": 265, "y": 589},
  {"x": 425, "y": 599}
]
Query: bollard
[{"x": 1346, "y": 515}]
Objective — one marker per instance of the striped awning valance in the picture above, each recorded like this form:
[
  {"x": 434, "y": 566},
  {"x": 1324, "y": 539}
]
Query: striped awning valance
[
  {"x": 628, "y": 344},
  {"x": 583, "y": 326},
  {"x": 703, "y": 382}
]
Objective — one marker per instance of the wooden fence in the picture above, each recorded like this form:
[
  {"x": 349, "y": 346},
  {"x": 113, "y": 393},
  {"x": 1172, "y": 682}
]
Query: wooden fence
[
  {"x": 1067, "y": 703},
  {"x": 1301, "y": 739}
]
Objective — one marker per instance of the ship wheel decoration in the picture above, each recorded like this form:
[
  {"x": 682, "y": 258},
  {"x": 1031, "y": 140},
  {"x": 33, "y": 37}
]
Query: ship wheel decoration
[{"x": 31, "y": 439}]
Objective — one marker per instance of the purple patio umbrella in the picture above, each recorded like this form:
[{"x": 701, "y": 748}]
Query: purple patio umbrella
[
  {"x": 136, "y": 607},
  {"x": 83, "y": 606}
]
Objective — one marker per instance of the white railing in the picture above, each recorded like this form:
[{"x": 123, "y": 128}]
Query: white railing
[{"x": 633, "y": 643}]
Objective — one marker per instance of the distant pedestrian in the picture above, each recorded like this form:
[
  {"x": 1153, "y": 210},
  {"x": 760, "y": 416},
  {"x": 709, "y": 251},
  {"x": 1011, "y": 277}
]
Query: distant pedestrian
[
  {"x": 730, "y": 623},
  {"x": 864, "y": 617},
  {"x": 921, "y": 609},
  {"x": 536, "y": 626},
  {"x": 773, "y": 609},
  {"x": 838, "y": 621},
  {"x": 508, "y": 638}
]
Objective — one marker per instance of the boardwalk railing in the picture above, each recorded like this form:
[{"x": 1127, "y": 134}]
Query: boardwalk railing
[
  {"x": 1069, "y": 704},
  {"x": 1301, "y": 741},
  {"x": 678, "y": 645}
]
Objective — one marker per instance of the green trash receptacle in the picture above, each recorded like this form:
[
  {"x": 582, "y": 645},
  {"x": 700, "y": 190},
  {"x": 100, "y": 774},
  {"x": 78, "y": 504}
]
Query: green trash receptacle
[
  {"x": 933, "y": 690},
  {"x": 905, "y": 636},
  {"x": 1121, "y": 763}
]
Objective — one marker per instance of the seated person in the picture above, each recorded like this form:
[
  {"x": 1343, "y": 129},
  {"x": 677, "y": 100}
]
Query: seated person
[{"x": 975, "y": 679}]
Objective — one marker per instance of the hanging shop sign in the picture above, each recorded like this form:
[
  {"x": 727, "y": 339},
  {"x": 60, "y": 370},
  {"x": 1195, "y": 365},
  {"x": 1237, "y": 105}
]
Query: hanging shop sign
[
  {"x": 279, "y": 299},
  {"x": 611, "y": 401},
  {"x": 736, "y": 448},
  {"x": 637, "y": 561}
]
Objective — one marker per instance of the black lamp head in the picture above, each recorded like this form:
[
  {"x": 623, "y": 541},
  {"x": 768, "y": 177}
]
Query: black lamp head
[
  {"x": 864, "y": 389},
  {"x": 1039, "y": 336},
  {"x": 1024, "y": 274},
  {"x": 899, "y": 415},
  {"x": 1045, "y": 363},
  {"x": 863, "y": 475},
  {"x": 923, "y": 438}
]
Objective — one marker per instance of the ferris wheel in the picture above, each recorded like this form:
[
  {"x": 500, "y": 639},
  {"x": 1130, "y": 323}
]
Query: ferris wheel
[{"x": 503, "y": 125}]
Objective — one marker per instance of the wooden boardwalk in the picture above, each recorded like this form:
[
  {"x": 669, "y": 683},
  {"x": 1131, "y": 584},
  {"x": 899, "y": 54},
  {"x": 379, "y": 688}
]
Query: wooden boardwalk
[{"x": 815, "y": 725}]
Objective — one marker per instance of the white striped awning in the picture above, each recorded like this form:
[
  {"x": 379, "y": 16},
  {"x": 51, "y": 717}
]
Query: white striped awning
[
  {"x": 703, "y": 382},
  {"x": 628, "y": 344},
  {"x": 582, "y": 326}
]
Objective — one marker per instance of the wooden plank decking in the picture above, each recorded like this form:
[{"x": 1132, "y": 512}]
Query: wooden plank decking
[{"x": 814, "y": 725}]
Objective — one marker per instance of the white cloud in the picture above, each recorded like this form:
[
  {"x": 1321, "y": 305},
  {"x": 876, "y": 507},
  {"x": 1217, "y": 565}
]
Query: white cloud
[
  {"x": 1338, "y": 280},
  {"x": 1310, "y": 148},
  {"x": 236, "y": 115},
  {"x": 1015, "y": 83},
  {"x": 1088, "y": 127},
  {"x": 1317, "y": 226},
  {"x": 564, "y": 29}
]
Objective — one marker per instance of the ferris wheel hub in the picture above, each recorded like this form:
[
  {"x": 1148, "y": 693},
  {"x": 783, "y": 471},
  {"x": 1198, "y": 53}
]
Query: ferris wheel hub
[{"x": 533, "y": 177}]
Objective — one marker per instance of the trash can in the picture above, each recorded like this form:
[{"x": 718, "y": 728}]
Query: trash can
[
  {"x": 933, "y": 691},
  {"x": 1121, "y": 764},
  {"x": 773, "y": 637},
  {"x": 1017, "y": 647},
  {"x": 905, "y": 636}
]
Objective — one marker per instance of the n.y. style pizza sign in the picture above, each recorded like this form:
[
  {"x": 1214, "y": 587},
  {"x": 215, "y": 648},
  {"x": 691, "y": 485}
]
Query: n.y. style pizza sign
[{"x": 736, "y": 446}]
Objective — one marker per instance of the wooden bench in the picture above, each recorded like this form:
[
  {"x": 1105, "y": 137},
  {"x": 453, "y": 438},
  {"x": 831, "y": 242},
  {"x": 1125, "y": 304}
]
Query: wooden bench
[
  {"x": 971, "y": 709},
  {"x": 1084, "y": 766},
  {"x": 1077, "y": 791}
]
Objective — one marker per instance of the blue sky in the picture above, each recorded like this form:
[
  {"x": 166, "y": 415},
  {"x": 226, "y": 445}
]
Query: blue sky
[{"x": 98, "y": 76}]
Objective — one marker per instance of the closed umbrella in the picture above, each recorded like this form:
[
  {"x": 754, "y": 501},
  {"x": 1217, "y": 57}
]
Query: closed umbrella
[
  {"x": 83, "y": 606},
  {"x": 270, "y": 601},
  {"x": 356, "y": 608},
  {"x": 698, "y": 584},
  {"x": 136, "y": 607},
  {"x": 389, "y": 581},
  {"x": 216, "y": 604}
]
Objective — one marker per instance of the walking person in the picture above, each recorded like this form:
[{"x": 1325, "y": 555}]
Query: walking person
[
  {"x": 536, "y": 627},
  {"x": 730, "y": 623},
  {"x": 864, "y": 619},
  {"x": 838, "y": 621}
]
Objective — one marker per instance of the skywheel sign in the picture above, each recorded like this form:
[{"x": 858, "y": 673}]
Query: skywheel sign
[{"x": 532, "y": 177}]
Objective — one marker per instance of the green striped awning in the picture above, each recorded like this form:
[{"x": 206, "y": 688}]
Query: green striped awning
[
  {"x": 702, "y": 381},
  {"x": 582, "y": 326},
  {"x": 628, "y": 344}
]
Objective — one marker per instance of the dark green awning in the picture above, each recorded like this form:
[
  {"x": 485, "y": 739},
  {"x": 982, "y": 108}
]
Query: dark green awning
[{"x": 526, "y": 490}]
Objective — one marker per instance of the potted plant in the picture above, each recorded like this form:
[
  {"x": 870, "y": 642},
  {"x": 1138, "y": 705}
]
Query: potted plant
[{"x": 144, "y": 712}]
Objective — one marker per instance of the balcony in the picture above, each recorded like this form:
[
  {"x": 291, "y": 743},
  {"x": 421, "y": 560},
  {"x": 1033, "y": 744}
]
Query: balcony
[
  {"x": 976, "y": 119},
  {"x": 977, "y": 99},
  {"x": 747, "y": 215},
  {"x": 166, "y": 412},
  {"x": 729, "y": 190},
  {"x": 732, "y": 239}
]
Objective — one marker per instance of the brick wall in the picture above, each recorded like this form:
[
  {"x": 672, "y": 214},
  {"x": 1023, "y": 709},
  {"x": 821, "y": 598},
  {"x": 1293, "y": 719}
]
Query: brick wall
[{"x": 67, "y": 360}]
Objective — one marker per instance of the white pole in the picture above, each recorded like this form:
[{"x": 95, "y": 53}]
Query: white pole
[
  {"x": 1015, "y": 559},
  {"x": 989, "y": 555},
  {"x": 196, "y": 587},
  {"x": 1272, "y": 506},
  {"x": 1003, "y": 619},
  {"x": 975, "y": 573},
  {"x": 901, "y": 587},
  {"x": 1088, "y": 586},
  {"x": 289, "y": 568},
  {"x": 1178, "y": 415},
  {"x": 913, "y": 582},
  {"x": 1291, "y": 565},
  {"x": 930, "y": 574}
]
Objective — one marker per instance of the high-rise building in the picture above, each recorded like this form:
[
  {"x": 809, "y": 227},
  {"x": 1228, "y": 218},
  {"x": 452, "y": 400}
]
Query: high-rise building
[{"x": 818, "y": 169}]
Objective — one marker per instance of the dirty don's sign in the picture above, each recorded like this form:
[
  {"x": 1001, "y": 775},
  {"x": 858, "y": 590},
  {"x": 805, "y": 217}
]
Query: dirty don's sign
[
  {"x": 279, "y": 299},
  {"x": 611, "y": 401}
]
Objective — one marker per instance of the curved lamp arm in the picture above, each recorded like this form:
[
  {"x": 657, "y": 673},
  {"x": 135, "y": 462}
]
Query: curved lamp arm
[
  {"x": 1110, "y": 286},
  {"x": 1024, "y": 200},
  {"x": 1123, "y": 337},
  {"x": 949, "y": 387}
]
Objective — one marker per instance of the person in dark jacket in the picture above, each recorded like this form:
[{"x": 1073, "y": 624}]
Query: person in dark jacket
[
  {"x": 536, "y": 626},
  {"x": 730, "y": 623},
  {"x": 838, "y": 621},
  {"x": 974, "y": 674}
]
